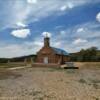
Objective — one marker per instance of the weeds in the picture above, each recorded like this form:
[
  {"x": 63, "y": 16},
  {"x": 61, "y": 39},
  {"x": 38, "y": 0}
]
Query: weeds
[
  {"x": 82, "y": 81},
  {"x": 95, "y": 83},
  {"x": 96, "y": 98}
]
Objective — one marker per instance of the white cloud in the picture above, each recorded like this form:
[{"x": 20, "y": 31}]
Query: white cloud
[
  {"x": 23, "y": 11},
  {"x": 21, "y": 33},
  {"x": 46, "y": 34},
  {"x": 73, "y": 41},
  {"x": 32, "y": 1},
  {"x": 68, "y": 42},
  {"x": 38, "y": 43},
  {"x": 57, "y": 44},
  {"x": 20, "y": 24},
  {"x": 15, "y": 50},
  {"x": 62, "y": 32},
  {"x": 70, "y": 5},
  {"x": 98, "y": 17},
  {"x": 63, "y": 8},
  {"x": 79, "y": 41},
  {"x": 80, "y": 30},
  {"x": 87, "y": 30}
]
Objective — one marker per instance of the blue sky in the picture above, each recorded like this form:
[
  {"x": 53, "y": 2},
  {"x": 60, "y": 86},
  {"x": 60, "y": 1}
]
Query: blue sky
[{"x": 71, "y": 25}]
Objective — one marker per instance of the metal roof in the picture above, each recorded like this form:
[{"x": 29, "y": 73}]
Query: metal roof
[{"x": 60, "y": 51}]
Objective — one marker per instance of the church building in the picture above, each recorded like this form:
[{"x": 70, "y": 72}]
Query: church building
[{"x": 48, "y": 54}]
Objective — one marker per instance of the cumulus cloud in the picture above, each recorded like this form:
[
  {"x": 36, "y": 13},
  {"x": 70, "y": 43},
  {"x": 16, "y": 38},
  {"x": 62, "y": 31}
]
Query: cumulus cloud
[
  {"x": 70, "y": 42},
  {"x": 38, "y": 43},
  {"x": 63, "y": 8},
  {"x": 20, "y": 24},
  {"x": 98, "y": 17},
  {"x": 79, "y": 41},
  {"x": 57, "y": 44},
  {"x": 88, "y": 35},
  {"x": 21, "y": 33},
  {"x": 46, "y": 34},
  {"x": 32, "y": 1},
  {"x": 10, "y": 50},
  {"x": 63, "y": 32},
  {"x": 15, "y": 50},
  {"x": 70, "y": 5},
  {"x": 87, "y": 31},
  {"x": 25, "y": 12},
  {"x": 80, "y": 30}
]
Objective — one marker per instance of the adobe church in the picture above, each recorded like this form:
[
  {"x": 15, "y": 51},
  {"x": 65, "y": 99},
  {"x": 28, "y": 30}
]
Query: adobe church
[{"x": 51, "y": 55}]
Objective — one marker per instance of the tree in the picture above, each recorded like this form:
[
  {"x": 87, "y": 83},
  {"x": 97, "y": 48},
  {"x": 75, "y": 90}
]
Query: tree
[{"x": 89, "y": 54}]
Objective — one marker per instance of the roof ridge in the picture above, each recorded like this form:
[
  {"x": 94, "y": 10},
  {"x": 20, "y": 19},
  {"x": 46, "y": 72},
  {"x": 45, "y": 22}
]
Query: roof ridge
[{"x": 60, "y": 51}]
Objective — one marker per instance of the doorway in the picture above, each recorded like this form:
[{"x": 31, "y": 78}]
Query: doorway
[{"x": 45, "y": 60}]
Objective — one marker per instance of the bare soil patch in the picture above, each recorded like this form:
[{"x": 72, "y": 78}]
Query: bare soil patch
[{"x": 50, "y": 84}]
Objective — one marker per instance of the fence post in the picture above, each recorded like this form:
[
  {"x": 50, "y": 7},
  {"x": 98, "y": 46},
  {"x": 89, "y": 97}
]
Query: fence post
[
  {"x": 8, "y": 62},
  {"x": 25, "y": 61}
]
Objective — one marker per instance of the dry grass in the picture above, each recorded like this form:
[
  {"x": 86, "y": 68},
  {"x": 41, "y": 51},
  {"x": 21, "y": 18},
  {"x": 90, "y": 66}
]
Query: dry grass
[
  {"x": 94, "y": 65},
  {"x": 10, "y": 65}
]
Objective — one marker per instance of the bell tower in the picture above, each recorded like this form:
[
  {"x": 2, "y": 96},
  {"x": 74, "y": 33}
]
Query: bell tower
[{"x": 46, "y": 41}]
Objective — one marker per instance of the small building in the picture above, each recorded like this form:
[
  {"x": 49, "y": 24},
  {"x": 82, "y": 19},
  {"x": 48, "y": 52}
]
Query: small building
[{"x": 48, "y": 54}]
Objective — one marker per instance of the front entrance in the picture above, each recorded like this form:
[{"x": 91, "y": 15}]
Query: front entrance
[{"x": 45, "y": 60}]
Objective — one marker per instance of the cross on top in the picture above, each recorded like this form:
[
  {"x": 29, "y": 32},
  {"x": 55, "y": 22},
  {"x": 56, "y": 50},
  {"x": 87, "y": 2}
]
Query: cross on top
[{"x": 46, "y": 35}]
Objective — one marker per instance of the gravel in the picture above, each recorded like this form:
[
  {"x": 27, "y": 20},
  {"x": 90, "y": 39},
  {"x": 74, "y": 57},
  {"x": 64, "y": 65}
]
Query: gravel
[{"x": 50, "y": 84}]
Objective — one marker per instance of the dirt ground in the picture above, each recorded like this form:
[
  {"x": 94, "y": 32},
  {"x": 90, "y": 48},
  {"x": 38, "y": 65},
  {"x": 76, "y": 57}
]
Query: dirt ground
[{"x": 50, "y": 84}]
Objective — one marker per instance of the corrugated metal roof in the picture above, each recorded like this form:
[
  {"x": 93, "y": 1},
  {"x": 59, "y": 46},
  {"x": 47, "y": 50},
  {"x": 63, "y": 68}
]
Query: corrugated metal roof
[{"x": 60, "y": 51}]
